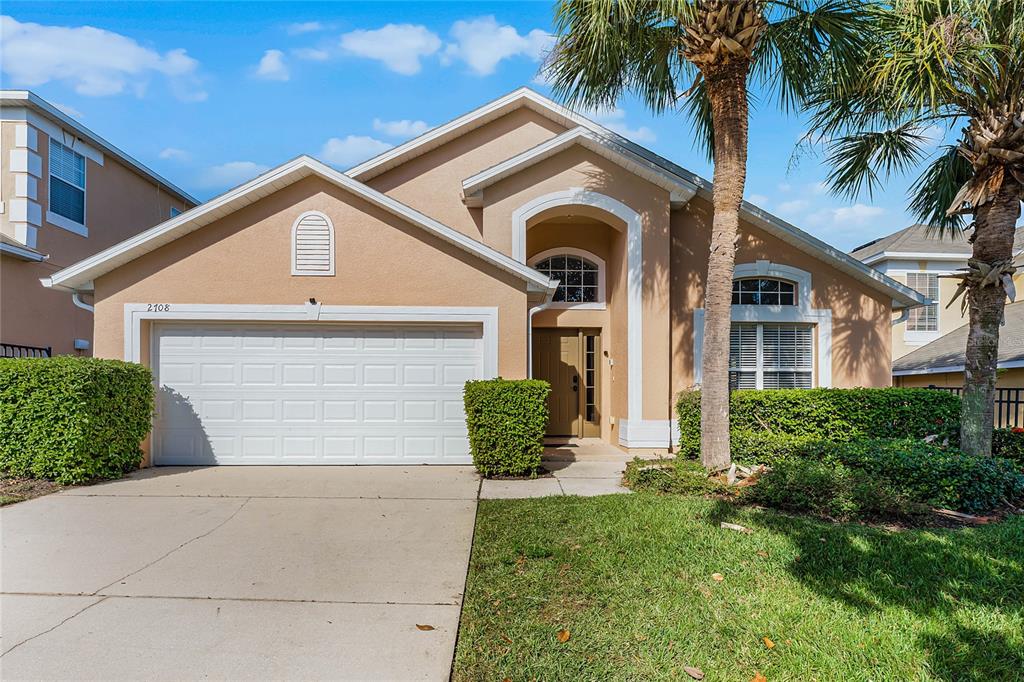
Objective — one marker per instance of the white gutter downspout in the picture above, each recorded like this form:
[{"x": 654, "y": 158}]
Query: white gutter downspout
[
  {"x": 529, "y": 336},
  {"x": 77, "y": 300}
]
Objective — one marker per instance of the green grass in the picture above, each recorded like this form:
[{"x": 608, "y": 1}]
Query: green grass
[{"x": 630, "y": 577}]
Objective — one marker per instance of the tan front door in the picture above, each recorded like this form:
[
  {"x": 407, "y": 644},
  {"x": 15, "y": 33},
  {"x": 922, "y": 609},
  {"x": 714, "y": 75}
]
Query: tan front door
[{"x": 556, "y": 359}]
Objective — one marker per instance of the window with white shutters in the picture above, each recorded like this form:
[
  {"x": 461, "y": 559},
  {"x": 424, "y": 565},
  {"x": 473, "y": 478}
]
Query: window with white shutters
[
  {"x": 313, "y": 245},
  {"x": 771, "y": 356},
  {"x": 924, "y": 318},
  {"x": 67, "y": 182}
]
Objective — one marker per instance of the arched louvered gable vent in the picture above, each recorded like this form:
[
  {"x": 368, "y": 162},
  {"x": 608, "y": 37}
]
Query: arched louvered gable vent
[{"x": 313, "y": 245}]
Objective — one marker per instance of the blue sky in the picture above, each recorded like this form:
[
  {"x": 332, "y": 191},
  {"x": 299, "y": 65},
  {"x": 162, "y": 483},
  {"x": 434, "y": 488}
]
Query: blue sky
[{"x": 209, "y": 94}]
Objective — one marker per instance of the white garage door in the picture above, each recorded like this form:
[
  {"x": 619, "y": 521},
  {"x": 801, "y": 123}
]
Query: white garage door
[{"x": 313, "y": 394}]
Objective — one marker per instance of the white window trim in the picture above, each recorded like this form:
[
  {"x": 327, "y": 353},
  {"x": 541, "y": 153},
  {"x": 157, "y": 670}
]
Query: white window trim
[
  {"x": 136, "y": 313},
  {"x": 601, "y": 302},
  {"x": 919, "y": 337},
  {"x": 56, "y": 219},
  {"x": 759, "y": 369},
  {"x": 295, "y": 229},
  {"x": 802, "y": 313}
]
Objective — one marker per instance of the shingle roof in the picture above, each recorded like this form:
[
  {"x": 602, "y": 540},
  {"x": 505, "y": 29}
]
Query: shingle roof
[
  {"x": 921, "y": 238},
  {"x": 947, "y": 352}
]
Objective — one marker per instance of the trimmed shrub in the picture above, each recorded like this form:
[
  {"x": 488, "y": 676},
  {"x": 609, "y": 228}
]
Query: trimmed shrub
[
  {"x": 73, "y": 420},
  {"x": 832, "y": 490},
  {"x": 506, "y": 420},
  {"x": 1009, "y": 444},
  {"x": 929, "y": 474},
  {"x": 766, "y": 426}
]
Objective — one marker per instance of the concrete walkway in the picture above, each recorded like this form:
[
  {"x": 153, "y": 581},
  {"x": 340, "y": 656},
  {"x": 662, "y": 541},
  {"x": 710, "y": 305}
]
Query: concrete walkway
[
  {"x": 584, "y": 467},
  {"x": 240, "y": 573}
]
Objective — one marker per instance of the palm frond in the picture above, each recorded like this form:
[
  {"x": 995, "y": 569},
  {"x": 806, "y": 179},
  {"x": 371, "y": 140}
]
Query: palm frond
[
  {"x": 861, "y": 161},
  {"x": 933, "y": 191}
]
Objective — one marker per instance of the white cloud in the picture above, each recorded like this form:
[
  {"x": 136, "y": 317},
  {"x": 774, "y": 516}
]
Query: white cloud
[
  {"x": 272, "y": 66},
  {"x": 312, "y": 54},
  {"x": 857, "y": 215},
  {"x": 788, "y": 209},
  {"x": 348, "y": 151},
  {"x": 174, "y": 154},
  {"x": 69, "y": 110},
  {"x": 304, "y": 27},
  {"x": 482, "y": 44},
  {"x": 230, "y": 174},
  {"x": 758, "y": 199},
  {"x": 93, "y": 61},
  {"x": 400, "y": 47},
  {"x": 784, "y": 186},
  {"x": 615, "y": 120},
  {"x": 403, "y": 128}
]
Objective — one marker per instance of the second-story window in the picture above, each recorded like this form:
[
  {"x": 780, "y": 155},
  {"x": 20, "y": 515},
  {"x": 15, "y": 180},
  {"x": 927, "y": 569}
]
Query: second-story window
[
  {"x": 924, "y": 318},
  {"x": 67, "y": 182}
]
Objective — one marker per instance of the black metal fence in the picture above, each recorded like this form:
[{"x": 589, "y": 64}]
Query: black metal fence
[
  {"x": 1009, "y": 405},
  {"x": 14, "y": 350}
]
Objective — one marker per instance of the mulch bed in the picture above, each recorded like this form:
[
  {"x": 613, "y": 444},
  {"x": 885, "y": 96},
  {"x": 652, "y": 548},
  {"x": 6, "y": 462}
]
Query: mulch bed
[{"x": 20, "y": 489}]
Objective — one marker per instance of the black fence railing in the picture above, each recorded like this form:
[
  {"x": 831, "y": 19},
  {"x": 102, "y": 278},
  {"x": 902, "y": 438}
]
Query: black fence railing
[
  {"x": 14, "y": 350},
  {"x": 1009, "y": 405}
]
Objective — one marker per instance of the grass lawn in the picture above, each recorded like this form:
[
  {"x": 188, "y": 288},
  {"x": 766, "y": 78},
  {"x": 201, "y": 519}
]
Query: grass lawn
[{"x": 630, "y": 578}]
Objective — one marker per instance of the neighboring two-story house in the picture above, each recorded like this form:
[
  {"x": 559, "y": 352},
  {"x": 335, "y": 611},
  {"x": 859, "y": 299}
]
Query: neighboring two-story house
[
  {"x": 316, "y": 317},
  {"x": 65, "y": 194}
]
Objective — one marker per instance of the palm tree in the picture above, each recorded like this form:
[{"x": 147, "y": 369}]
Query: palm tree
[
  {"x": 948, "y": 63},
  {"x": 703, "y": 57}
]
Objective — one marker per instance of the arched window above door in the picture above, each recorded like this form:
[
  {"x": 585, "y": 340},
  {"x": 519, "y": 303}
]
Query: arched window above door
[{"x": 580, "y": 275}]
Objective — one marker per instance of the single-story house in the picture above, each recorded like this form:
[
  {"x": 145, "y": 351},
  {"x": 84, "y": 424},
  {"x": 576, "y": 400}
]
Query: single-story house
[{"x": 311, "y": 316}]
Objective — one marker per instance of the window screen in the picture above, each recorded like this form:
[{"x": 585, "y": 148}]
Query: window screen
[{"x": 67, "y": 182}]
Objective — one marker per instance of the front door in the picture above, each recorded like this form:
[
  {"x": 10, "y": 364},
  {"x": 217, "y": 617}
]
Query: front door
[{"x": 556, "y": 360}]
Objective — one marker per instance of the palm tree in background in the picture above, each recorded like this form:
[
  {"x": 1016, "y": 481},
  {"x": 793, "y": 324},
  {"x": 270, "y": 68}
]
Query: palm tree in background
[
  {"x": 949, "y": 63},
  {"x": 703, "y": 57}
]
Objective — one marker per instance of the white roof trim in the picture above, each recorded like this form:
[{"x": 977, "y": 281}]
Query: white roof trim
[
  {"x": 22, "y": 252},
  {"x": 915, "y": 255},
  {"x": 681, "y": 189},
  {"x": 1009, "y": 364},
  {"x": 903, "y": 296},
  {"x": 30, "y": 100},
  {"x": 82, "y": 273}
]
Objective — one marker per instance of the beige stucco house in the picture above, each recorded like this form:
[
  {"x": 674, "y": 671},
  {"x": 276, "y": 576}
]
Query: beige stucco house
[
  {"x": 918, "y": 256},
  {"x": 65, "y": 194},
  {"x": 312, "y": 316}
]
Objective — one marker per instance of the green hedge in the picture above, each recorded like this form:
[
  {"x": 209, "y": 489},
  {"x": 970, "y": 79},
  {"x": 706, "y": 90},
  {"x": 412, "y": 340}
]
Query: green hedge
[
  {"x": 766, "y": 425},
  {"x": 506, "y": 420},
  {"x": 72, "y": 420},
  {"x": 1009, "y": 443}
]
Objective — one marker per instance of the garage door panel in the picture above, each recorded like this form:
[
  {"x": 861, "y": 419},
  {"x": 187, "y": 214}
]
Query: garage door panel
[{"x": 264, "y": 394}]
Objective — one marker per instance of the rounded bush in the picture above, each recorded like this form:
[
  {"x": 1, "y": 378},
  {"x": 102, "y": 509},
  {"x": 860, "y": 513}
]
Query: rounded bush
[{"x": 506, "y": 420}]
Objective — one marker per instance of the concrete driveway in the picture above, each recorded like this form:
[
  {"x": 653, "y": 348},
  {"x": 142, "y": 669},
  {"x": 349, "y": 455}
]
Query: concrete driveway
[{"x": 239, "y": 572}]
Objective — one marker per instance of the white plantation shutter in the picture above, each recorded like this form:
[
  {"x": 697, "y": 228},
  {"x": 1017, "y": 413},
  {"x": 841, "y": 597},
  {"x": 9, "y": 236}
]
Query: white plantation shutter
[
  {"x": 313, "y": 245},
  {"x": 771, "y": 356},
  {"x": 743, "y": 356}
]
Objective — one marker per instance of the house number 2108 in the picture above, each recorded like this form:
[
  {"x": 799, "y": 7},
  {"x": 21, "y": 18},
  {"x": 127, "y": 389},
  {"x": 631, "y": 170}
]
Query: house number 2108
[{"x": 158, "y": 307}]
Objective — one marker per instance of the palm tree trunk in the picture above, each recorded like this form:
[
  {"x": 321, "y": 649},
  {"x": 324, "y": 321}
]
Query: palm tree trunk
[
  {"x": 727, "y": 92},
  {"x": 995, "y": 223}
]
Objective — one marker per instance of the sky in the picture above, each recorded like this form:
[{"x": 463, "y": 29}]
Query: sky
[{"x": 211, "y": 94}]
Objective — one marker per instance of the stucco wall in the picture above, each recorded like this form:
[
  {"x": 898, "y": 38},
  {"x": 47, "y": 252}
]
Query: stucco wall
[
  {"x": 432, "y": 182},
  {"x": 861, "y": 334},
  {"x": 119, "y": 203},
  {"x": 245, "y": 257}
]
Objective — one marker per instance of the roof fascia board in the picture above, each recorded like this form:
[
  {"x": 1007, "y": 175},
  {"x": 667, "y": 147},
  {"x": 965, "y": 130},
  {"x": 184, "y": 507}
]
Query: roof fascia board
[
  {"x": 915, "y": 255},
  {"x": 74, "y": 276},
  {"x": 22, "y": 253},
  {"x": 681, "y": 189},
  {"x": 1009, "y": 364},
  {"x": 28, "y": 99}
]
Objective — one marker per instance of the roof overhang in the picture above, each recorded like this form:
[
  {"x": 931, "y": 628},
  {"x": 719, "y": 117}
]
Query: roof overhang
[
  {"x": 21, "y": 252},
  {"x": 948, "y": 369},
  {"x": 680, "y": 189},
  {"x": 29, "y": 100},
  {"x": 914, "y": 255},
  {"x": 79, "y": 277}
]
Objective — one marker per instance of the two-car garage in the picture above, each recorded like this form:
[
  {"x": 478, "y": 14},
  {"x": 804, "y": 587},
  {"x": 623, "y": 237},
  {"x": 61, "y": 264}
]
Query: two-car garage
[{"x": 312, "y": 393}]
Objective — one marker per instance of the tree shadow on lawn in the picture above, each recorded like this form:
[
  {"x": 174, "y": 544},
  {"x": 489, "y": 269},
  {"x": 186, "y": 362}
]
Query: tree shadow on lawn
[{"x": 946, "y": 576}]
